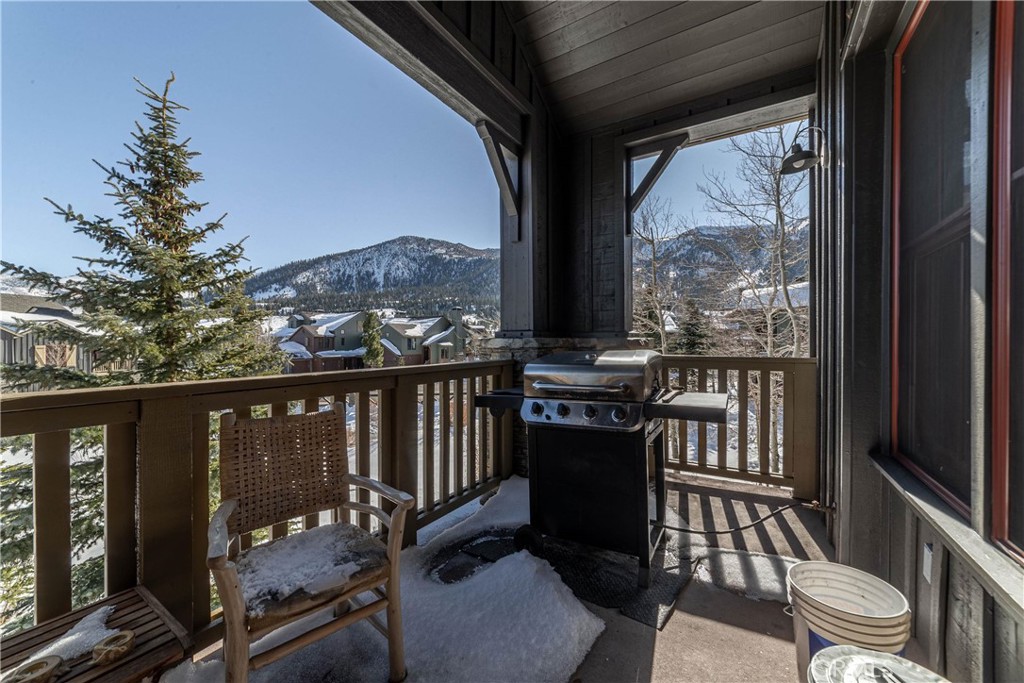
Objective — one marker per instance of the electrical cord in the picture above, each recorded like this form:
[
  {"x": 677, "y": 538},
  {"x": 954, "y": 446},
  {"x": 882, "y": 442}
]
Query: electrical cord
[{"x": 813, "y": 505}]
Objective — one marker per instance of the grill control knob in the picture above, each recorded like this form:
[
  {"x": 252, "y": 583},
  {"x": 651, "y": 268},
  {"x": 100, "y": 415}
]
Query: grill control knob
[
  {"x": 536, "y": 408},
  {"x": 619, "y": 414},
  {"x": 562, "y": 410},
  {"x": 590, "y": 412}
]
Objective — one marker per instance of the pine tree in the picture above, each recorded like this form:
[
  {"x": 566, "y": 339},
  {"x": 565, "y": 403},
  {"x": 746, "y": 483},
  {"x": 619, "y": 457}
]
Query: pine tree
[
  {"x": 153, "y": 301},
  {"x": 695, "y": 334},
  {"x": 374, "y": 356}
]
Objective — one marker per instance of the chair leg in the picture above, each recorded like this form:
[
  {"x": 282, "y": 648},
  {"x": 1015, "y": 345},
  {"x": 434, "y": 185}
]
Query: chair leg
[
  {"x": 396, "y": 645},
  {"x": 236, "y": 658}
]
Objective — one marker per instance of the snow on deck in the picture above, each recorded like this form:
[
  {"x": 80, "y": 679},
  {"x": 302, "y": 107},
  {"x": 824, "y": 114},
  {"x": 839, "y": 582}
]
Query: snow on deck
[{"x": 513, "y": 620}]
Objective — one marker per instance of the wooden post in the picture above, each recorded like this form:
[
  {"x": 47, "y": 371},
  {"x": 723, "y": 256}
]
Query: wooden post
[
  {"x": 504, "y": 429},
  {"x": 165, "y": 505},
  {"x": 51, "y": 514},
  {"x": 363, "y": 450},
  {"x": 805, "y": 432},
  {"x": 405, "y": 448},
  {"x": 200, "y": 518},
  {"x": 120, "y": 453}
]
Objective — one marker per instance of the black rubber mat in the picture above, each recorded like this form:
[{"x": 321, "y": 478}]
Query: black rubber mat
[{"x": 601, "y": 577}]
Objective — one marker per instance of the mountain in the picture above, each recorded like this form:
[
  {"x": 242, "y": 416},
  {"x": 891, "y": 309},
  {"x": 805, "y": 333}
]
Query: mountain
[
  {"x": 416, "y": 274},
  {"x": 705, "y": 261}
]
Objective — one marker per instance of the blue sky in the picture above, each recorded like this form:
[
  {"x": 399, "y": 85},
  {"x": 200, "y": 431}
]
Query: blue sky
[{"x": 310, "y": 142}]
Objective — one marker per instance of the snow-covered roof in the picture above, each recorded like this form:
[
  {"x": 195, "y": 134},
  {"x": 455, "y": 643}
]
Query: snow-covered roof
[
  {"x": 352, "y": 353},
  {"x": 283, "y": 332},
  {"x": 294, "y": 349},
  {"x": 799, "y": 294},
  {"x": 670, "y": 322},
  {"x": 329, "y": 322},
  {"x": 390, "y": 347},
  {"x": 412, "y": 327},
  {"x": 440, "y": 336},
  {"x": 15, "y": 322}
]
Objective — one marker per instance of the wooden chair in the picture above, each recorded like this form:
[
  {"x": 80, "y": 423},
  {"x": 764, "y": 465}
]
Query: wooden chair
[{"x": 275, "y": 469}]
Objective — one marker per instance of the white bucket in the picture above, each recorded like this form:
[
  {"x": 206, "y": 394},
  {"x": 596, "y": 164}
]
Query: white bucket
[{"x": 837, "y": 605}]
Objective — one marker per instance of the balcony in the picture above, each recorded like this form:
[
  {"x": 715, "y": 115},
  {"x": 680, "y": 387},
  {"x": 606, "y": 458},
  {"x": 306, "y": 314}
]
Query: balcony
[{"x": 414, "y": 428}]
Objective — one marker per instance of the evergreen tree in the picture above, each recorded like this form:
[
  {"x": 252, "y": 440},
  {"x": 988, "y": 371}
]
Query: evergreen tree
[
  {"x": 152, "y": 301},
  {"x": 695, "y": 334},
  {"x": 374, "y": 356}
]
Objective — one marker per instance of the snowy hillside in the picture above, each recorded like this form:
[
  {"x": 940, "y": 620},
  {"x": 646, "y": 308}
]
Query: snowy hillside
[
  {"x": 10, "y": 284},
  {"x": 402, "y": 269}
]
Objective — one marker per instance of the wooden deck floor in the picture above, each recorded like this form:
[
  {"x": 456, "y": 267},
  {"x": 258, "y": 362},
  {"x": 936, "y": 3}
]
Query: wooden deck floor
[{"x": 715, "y": 634}]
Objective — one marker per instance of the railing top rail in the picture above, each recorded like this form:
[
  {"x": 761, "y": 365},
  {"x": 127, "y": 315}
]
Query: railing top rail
[
  {"x": 766, "y": 362},
  {"x": 382, "y": 378}
]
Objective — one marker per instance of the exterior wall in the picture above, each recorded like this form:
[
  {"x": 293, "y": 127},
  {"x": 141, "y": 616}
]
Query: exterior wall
[
  {"x": 20, "y": 348},
  {"x": 966, "y": 596},
  {"x": 349, "y": 336}
]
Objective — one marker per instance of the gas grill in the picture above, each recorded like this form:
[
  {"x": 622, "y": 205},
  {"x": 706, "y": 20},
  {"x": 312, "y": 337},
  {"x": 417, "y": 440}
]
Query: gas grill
[{"x": 596, "y": 447}]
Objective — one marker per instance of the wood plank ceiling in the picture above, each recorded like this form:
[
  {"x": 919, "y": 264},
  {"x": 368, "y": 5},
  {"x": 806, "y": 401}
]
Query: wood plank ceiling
[{"x": 598, "y": 63}]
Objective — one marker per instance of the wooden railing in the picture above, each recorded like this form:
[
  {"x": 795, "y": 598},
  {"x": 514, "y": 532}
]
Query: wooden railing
[
  {"x": 771, "y": 433},
  {"x": 410, "y": 427}
]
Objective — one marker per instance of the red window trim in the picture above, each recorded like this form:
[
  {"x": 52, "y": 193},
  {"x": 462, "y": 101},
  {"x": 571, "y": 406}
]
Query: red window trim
[
  {"x": 1002, "y": 100},
  {"x": 894, "y": 303}
]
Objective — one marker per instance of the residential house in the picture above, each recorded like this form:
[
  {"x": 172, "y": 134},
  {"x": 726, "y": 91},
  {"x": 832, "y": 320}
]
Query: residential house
[
  {"x": 19, "y": 345},
  {"x": 322, "y": 341},
  {"x": 415, "y": 341}
]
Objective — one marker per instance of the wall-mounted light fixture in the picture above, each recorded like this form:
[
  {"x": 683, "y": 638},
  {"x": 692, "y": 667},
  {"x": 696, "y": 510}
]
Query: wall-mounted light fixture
[{"x": 800, "y": 159}]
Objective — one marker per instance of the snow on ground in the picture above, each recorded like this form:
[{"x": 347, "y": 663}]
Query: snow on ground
[{"x": 513, "y": 620}]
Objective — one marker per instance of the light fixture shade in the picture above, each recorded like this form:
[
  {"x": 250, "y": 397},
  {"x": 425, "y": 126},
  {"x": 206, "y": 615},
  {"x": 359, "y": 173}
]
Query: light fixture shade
[{"x": 799, "y": 159}]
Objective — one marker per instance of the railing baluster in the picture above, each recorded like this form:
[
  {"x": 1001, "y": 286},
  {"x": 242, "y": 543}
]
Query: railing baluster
[
  {"x": 787, "y": 424},
  {"x": 201, "y": 514},
  {"x": 428, "y": 446},
  {"x": 119, "y": 506},
  {"x": 363, "y": 450},
  {"x": 742, "y": 418},
  {"x": 702, "y": 427},
  {"x": 723, "y": 445},
  {"x": 486, "y": 385},
  {"x": 764, "y": 387},
  {"x": 446, "y": 441},
  {"x": 471, "y": 436},
  {"x": 51, "y": 514},
  {"x": 460, "y": 426}
]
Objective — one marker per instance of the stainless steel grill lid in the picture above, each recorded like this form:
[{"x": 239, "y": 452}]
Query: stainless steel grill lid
[{"x": 594, "y": 375}]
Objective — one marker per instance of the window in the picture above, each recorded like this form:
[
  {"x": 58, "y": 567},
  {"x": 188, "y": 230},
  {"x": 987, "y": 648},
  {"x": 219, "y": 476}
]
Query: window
[
  {"x": 932, "y": 249},
  {"x": 60, "y": 355},
  {"x": 940, "y": 146},
  {"x": 410, "y": 343},
  {"x": 341, "y": 341}
]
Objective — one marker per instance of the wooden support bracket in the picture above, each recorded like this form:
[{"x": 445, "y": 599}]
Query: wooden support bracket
[
  {"x": 666, "y": 150},
  {"x": 493, "y": 142}
]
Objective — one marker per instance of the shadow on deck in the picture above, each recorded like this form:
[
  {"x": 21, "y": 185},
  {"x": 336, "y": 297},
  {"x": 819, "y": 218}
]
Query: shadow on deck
[{"x": 715, "y": 634}]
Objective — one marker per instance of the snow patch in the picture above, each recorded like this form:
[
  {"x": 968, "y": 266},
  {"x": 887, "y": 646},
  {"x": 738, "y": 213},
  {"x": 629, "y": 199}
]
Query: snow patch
[{"x": 80, "y": 638}]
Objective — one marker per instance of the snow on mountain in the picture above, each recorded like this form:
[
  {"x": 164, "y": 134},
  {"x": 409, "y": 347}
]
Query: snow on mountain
[
  {"x": 401, "y": 265},
  {"x": 10, "y": 284}
]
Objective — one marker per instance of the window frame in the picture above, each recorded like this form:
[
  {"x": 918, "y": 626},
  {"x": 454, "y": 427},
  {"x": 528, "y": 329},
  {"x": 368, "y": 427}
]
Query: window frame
[
  {"x": 1001, "y": 284},
  {"x": 894, "y": 277}
]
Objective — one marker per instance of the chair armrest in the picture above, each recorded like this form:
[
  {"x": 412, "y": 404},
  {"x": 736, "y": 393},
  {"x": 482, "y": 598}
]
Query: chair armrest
[
  {"x": 218, "y": 537},
  {"x": 399, "y": 498}
]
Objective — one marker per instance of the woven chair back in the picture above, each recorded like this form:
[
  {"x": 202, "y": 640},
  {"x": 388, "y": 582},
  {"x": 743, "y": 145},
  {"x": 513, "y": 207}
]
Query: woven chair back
[{"x": 279, "y": 468}]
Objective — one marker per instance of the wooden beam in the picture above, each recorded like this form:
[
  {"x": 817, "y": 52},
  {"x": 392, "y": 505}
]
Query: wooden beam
[
  {"x": 492, "y": 145},
  {"x": 668, "y": 150}
]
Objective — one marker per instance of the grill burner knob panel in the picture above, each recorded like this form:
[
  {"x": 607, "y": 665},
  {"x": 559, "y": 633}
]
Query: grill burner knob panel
[{"x": 613, "y": 416}]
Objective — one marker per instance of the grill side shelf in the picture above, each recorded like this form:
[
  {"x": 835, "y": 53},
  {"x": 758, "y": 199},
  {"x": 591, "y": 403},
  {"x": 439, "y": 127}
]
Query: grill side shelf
[
  {"x": 691, "y": 406},
  {"x": 500, "y": 400}
]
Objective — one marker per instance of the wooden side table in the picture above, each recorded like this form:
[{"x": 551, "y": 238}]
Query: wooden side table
[{"x": 159, "y": 640}]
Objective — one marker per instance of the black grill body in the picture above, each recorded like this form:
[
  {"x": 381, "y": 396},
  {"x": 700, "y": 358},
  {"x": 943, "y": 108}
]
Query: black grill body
[{"x": 600, "y": 489}]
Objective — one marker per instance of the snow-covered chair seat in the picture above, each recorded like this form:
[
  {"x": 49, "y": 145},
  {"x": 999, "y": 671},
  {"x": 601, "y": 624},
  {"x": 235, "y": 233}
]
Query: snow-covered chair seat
[
  {"x": 290, "y": 575},
  {"x": 277, "y": 469}
]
